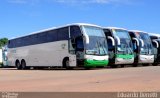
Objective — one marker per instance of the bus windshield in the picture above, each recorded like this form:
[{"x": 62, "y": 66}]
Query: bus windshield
[
  {"x": 147, "y": 49},
  {"x": 97, "y": 42},
  {"x": 125, "y": 46}
]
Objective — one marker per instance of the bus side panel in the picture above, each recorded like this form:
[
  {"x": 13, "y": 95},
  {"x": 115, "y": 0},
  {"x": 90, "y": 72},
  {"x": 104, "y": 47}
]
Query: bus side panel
[
  {"x": 11, "y": 57},
  {"x": 46, "y": 54}
]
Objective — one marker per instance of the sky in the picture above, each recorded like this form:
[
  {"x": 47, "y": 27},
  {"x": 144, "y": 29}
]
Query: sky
[{"x": 22, "y": 17}]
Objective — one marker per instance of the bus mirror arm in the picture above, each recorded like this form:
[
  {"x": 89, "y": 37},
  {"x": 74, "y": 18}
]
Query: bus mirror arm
[
  {"x": 136, "y": 41},
  {"x": 156, "y": 43},
  {"x": 118, "y": 39},
  {"x": 112, "y": 39},
  {"x": 142, "y": 42}
]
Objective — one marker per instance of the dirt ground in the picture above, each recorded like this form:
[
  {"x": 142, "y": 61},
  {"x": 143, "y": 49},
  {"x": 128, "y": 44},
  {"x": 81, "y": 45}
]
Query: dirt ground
[{"x": 79, "y": 80}]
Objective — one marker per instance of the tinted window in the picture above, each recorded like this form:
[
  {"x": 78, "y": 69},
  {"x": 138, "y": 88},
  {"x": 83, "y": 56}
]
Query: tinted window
[
  {"x": 34, "y": 39},
  {"x": 18, "y": 42},
  {"x": 49, "y": 36},
  {"x": 29, "y": 40},
  {"x": 25, "y": 41},
  {"x": 42, "y": 38},
  {"x": 63, "y": 34},
  {"x": 52, "y": 35},
  {"x": 13, "y": 43},
  {"x": 75, "y": 31},
  {"x": 10, "y": 44}
]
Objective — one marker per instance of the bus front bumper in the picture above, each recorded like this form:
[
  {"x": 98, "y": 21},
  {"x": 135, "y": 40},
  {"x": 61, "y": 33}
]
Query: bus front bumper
[
  {"x": 146, "y": 59},
  {"x": 95, "y": 63},
  {"x": 124, "y": 59}
]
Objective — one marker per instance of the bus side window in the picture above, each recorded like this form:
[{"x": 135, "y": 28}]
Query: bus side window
[
  {"x": 75, "y": 31},
  {"x": 13, "y": 43},
  {"x": 9, "y": 44},
  {"x": 63, "y": 34},
  {"x": 52, "y": 35}
]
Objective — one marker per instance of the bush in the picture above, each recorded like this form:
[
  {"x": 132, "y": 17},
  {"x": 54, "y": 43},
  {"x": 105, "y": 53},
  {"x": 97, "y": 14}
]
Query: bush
[{"x": 1, "y": 65}]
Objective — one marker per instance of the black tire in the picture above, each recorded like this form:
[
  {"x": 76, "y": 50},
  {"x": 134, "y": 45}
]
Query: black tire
[
  {"x": 135, "y": 65},
  {"x": 155, "y": 64},
  {"x": 122, "y": 66},
  {"x": 100, "y": 67},
  {"x": 114, "y": 66},
  {"x": 66, "y": 64},
  {"x": 18, "y": 65},
  {"x": 87, "y": 68},
  {"x": 145, "y": 64},
  {"x": 23, "y": 64}
]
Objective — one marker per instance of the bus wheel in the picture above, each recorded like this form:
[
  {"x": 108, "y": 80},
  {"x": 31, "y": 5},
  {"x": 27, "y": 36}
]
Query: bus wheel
[
  {"x": 66, "y": 64},
  {"x": 145, "y": 64},
  {"x": 87, "y": 68},
  {"x": 23, "y": 64},
  {"x": 135, "y": 65},
  {"x": 122, "y": 66},
  {"x": 100, "y": 67},
  {"x": 113, "y": 66},
  {"x": 155, "y": 64},
  {"x": 18, "y": 65}
]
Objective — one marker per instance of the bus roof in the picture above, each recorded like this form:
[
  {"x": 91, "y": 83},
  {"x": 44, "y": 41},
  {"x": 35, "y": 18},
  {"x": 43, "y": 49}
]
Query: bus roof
[
  {"x": 115, "y": 28},
  {"x": 52, "y": 28},
  {"x": 154, "y": 34},
  {"x": 137, "y": 31}
]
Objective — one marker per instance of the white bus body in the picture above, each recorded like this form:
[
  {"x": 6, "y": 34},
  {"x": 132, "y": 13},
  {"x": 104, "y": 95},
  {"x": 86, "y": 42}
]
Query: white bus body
[
  {"x": 144, "y": 48},
  {"x": 71, "y": 51}
]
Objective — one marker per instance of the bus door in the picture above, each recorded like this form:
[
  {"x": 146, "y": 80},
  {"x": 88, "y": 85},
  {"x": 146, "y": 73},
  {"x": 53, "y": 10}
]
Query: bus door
[
  {"x": 72, "y": 53},
  {"x": 76, "y": 46},
  {"x": 77, "y": 49}
]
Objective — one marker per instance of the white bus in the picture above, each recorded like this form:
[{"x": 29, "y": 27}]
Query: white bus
[
  {"x": 74, "y": 45},
  {"x": 119, "y": 46},
  {"x": 143, "y": 48}
]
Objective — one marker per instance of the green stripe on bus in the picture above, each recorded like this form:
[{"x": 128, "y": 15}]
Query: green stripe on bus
[
  {"x": 125, "y": 56},
  {"x": 94, "y": 63}
]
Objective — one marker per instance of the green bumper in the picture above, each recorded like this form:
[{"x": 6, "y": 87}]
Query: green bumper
[{"x": 94, "y": 63}]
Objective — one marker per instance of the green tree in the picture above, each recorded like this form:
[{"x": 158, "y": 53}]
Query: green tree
[{"x": 3, "y": 41}]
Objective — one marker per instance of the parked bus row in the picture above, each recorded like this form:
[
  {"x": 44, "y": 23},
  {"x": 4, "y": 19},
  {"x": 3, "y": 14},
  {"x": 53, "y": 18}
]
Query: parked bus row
[{"x": 83, "y": 45}]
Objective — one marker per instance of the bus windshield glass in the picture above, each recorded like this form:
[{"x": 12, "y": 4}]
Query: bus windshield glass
[
  {"x": 147, "y": 49},
  {"x": 125, "y": 46},
  {"x": 97, "y": 42}
]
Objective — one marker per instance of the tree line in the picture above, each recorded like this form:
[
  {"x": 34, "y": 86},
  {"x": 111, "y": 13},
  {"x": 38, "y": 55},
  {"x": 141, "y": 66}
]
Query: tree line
[{"x": 3, "y": 42}]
